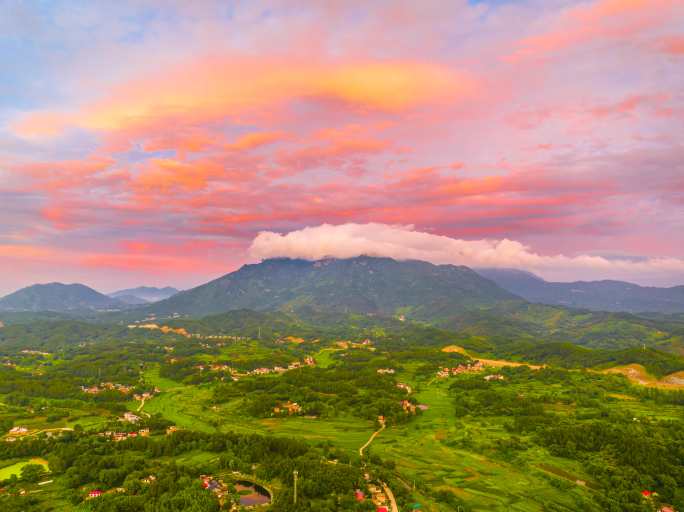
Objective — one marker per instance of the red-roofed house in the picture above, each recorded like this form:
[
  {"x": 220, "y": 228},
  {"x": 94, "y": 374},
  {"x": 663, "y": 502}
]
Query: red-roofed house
[
  {"x": 95, "y": 493},
  {"x": 646, "y": 494}
]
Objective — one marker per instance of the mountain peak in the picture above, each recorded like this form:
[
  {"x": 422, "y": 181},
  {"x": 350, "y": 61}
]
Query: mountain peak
[
  {"x": 362, "y": 284},
  {"x": 58, "y": 297}
]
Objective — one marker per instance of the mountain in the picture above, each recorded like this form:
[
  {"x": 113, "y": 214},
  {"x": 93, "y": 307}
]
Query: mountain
[
  {"x": 616, "y": 296},
  {"x": 382, "y": 286},
  {"x": 58, "y": 297},
  {"x": 143, "y": 294}
]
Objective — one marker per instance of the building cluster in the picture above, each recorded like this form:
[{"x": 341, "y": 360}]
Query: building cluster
[
  {"x": 408, "y": 407},
  {"x": 16, "y": 433},
  {"x": 216, "y": 486},
  {"x": 148, "y": 480},
  {"x": 146, "y": 395},
  {"x": 378, "y": 497},
  {"x": 364, "y": 344},
  {"x": 165, "y": 329},
  {"x": 475, "y": 367},
  {"x": 386, "y": 371},
  {"x": 35, "y": 353},
  {"x": 288, "y": 407},
  {"x": 308, "y": 361},
  {"x": 97, "y": 493},
  {"x": 107, "y": 386},
  {"x": 122, "y": 436}
]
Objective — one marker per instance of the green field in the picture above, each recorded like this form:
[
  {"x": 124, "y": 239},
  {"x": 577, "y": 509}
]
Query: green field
[
  {"x": 440, "y": 451},
  {"x": 15, "y": 469},
  {"x": 461, "y": 453}
]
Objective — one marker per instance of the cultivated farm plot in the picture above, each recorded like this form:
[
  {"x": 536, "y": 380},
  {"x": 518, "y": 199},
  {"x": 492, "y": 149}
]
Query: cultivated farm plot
[{"x": 433, "y": 451}]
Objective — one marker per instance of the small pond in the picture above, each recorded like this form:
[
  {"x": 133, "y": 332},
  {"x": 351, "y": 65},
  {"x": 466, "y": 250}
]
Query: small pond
[{"x": 251, "y": 493}]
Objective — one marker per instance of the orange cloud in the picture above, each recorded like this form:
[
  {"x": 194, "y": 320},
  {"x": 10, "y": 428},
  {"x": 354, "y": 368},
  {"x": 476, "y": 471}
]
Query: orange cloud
[
  {"x": 255, "y": 140},
  {"x": 164, "y": 174},
  {"x": 673, "y": 45},
  {"x": 26, "y": 252},
  {"x": 213, "y": 89}
]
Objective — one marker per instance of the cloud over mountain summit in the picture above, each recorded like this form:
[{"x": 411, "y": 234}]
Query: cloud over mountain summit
[{"x": 405, "y": 242}]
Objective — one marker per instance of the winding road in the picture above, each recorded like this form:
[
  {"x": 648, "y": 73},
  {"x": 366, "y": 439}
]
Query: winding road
[{"x": 370, "y": 440}]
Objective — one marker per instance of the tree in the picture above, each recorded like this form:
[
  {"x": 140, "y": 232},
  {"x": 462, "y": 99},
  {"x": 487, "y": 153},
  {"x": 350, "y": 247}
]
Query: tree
[{"x": 32, "y": 472}]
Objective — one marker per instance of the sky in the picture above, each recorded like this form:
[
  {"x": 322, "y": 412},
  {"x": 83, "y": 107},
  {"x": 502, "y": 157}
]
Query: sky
[{"x": 169, "y": 142}]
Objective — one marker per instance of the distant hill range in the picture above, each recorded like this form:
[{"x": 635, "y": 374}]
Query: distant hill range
[
  {"x": 616, "y": 296},
  {"x": 143, "y": 294},
  {"x": 493, "y": 308},
  {"x": 58, "y": 297},
  {"x": 367, "y": 285}
]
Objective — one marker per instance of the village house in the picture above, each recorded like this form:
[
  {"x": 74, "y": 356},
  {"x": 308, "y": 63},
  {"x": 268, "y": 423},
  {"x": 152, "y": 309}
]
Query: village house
[
  {"x": 408, "y": 407},
  {"x": 477, "y": 366},
  {"x": 289, "y": 407},
  {"x": 405, "y": 387},
  {"x": 95, "y": 493},
  {"x": 170, "y": 430},
  {"x": 378, "y": 497},
  {"x": 496, "y": 376},
  {"x": 18, "y": 431},
  {"x": 130, "y": 417}
]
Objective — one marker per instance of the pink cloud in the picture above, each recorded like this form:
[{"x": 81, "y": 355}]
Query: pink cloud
[{"x": 339, "y": 114}]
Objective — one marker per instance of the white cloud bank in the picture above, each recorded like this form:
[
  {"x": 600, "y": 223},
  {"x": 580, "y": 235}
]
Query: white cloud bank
[{"x": 404, "y": 242}]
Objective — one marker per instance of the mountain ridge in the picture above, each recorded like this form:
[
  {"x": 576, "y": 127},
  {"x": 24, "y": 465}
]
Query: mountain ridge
[
  {"x": 603, "y": 295},
  {"x": 143, "y": 294},
  {"x": 58, "y": 297}
]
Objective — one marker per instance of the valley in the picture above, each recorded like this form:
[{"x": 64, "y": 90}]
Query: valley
[
  {"x": 483, "y": 407},
  {"x": 450, "y": 453}
]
